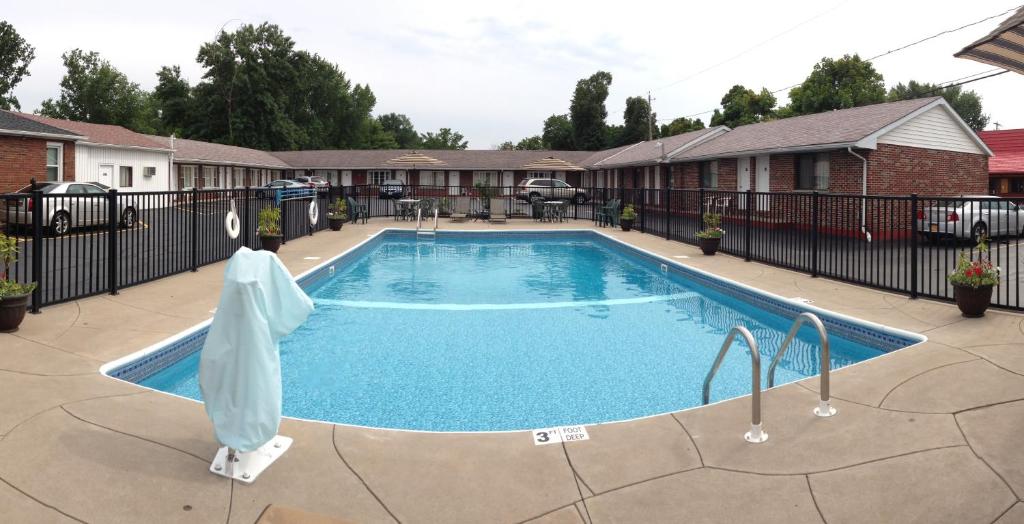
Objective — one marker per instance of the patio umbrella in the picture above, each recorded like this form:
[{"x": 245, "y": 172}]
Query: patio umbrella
[
  {"x": 240, "y": 368},
  {"x": 1003, "y": 47},
  {"x": 551, "y": 164},
  {"x": 412, "y": 159}
]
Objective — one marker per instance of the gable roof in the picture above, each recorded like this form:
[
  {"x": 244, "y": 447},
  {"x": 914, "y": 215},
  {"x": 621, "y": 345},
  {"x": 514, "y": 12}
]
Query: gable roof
[
  {"x": 99, "y": 134},
  {"x": 1008, "y": 146},
  {"x": 12, "y": 123},
  {"x": 654, "y": 151},
  {"x": 186, "y": 150},
  {"x": 465, "y": 159},
  {"x": 855, "y": 127}
]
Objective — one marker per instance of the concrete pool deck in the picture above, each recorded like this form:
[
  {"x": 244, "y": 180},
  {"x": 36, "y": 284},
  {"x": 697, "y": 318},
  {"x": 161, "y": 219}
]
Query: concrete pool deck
[{"x": 931, "y": 433}]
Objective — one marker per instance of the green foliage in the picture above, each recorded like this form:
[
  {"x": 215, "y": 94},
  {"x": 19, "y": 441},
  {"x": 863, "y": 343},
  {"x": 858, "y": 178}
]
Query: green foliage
[
  {"x": 975, "y": 273},
  {"x": 712, "y": 226},
  {"x": 636, "y": 122},
  {"x": 15, "y": 56},
  {"x": 269, "y": 222},
  {"x": 681, "y": 125},
  {"x": 613, "y": 135},
  {"x": 506, "y": 146},
  {"x": 966, "y": 103},
  {"x": 558, "y": 134},
  {"x": 339, "y": 209},
  {"x": 94, "y": 91},
  {"x": 401, "y": 128},
  {"x": 8, "y": 256},
  {"x": 443, "y": 139},
  {"x": 628, "y": 213},
  {"x": 588, "y": 113},
  {"x": 837, "y": 84},
  {"x": 173, "y": 100},
  {"x": 530, "y": 143},
  {"x": 743, "y": 106}
]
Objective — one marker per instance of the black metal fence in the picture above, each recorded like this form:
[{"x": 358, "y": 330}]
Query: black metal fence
[{"x": 906, "y": 244}]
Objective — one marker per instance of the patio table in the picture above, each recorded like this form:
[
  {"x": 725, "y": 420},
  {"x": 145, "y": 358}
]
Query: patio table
[
  {"x": 404, "y": 207},
  {"x": 551, "y": 208}
]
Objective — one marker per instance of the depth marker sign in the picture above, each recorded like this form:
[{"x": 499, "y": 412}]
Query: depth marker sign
[{"x": 545, "y": 436}]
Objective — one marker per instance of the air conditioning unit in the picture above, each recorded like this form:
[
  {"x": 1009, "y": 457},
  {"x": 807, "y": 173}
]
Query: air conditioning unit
[{"x": 148, "y": 171}]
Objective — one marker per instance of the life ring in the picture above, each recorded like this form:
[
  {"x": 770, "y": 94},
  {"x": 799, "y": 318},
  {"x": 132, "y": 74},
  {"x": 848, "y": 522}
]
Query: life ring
[
  {"x": 231, "y": 222},
  {"x": 314, "y": 213}
]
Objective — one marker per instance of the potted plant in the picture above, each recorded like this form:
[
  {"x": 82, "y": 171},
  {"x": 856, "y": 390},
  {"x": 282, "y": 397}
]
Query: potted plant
[
  {"x": 269, "y": 228},
  {"x": 973, "y": 280},
  {"x": 13, "y": 295},
  {"x": 711, "y": 236},
  {"x": 627, "y": 217},
  {"x": 338, "y": 214}
]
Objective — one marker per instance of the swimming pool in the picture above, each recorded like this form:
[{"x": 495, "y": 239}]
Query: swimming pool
[{"x": 482, "y": 331}]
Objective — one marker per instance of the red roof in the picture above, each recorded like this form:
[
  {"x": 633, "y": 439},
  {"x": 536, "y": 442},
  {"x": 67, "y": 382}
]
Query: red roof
[
  {"x": 1008, "y": 148},
  {"x": 99, "y": 133}
]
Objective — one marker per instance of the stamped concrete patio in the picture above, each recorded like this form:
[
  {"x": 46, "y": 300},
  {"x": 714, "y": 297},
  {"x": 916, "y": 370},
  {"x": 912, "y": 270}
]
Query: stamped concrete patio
[{"x": 931, "y": 433}]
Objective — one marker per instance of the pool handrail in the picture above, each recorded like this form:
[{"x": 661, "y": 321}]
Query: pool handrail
[
  {"x": 756, "y": 433},
  {"x": 824, "y": 408}
]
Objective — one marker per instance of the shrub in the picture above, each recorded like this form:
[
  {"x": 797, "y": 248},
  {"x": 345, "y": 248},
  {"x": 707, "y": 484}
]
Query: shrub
[
  {"x": 975, "y": 273},
  {"x": 628, "y": 213},
  {"x": 712, "y": 226},
  {"x": 8, "y": 256},
  {"x": 269, "y": 222},
  {"x": 339, "y": 209}
]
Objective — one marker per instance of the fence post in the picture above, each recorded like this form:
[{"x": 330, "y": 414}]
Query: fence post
[
  {"x": 814, "y": 234},
  {"x": 112, "y": 220},
  {"x": 284, "y": 219},
  {"x": 749, "y": 224},
  {"x": 643, "y": 209},
  {"x": 913, "y": 245},
  {"x": 246, "y": 221},
  {"x": 700, "y": 208},
  {"x": 37, "y": 246},
  {"x": 668, "y": 214},
  {"x": 195, "y": 229}
]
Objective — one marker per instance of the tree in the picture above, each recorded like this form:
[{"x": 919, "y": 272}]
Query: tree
[
  {"x": 743, "y": 106},
  {"x": 173, "y": 100},
  {"x": 401, "y": 128},
  {"x": 558, "y": 133},
  {"x": 94, "y": 91},
  {"x": 681, "y": 125},
  {"x": 588, "y": 113},
  {"x": 530, "y": 143},
  {"x": 637, "y": 121},
  {"x": 443, "y": 139},
  {"x": 966, "y": 103},
  {"x": 15, "y": 56},
  {"x": 506, "y": 146},
  {"x": 837, "y": 84}
]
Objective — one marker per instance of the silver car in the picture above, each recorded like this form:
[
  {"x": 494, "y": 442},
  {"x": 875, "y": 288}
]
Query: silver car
[
  {"x": 69, "y": 205},
  {"x": 970, "y": 217},
  {"x": 549, "y": 189}
]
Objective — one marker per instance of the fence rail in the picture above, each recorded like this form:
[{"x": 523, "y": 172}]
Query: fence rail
[{"x": 906, "y": 244}]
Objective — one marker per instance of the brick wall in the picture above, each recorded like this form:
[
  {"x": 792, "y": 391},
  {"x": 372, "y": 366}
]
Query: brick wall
[
  {"x": 24, "y": 158},
  {"x": 901, "y": 170}
]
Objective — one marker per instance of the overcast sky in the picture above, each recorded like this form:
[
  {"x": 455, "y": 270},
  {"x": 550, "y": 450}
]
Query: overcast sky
[{"x": 495, "y": 70}]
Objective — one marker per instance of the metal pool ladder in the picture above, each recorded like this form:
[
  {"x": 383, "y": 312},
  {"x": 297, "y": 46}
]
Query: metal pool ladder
[
  {"x": 419, "y": 223},
  {"x": 824, "y": 408},
  {"x": 757, "y": 433}
]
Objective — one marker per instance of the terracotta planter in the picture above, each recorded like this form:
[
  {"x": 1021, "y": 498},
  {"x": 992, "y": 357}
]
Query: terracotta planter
[
  {"x": 270, "y": 243},
  {"x": 709, "y": 245},
  {"x": 972, "y": 301},
  {"x": 335, "y": 223},
  {"x": 626, "y": 223},
  {"x": 12, "y": 311}
]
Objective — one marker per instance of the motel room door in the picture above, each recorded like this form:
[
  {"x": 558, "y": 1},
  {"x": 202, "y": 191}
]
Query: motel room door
[
  {"x": 453, "y": 183},
  {"x": 743, "y": 179},
  {"x": 763, "y": 177}
]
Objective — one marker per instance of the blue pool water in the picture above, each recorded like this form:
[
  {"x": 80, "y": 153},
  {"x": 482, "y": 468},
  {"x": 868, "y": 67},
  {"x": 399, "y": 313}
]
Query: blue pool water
[{"x": 475, "y": 332}]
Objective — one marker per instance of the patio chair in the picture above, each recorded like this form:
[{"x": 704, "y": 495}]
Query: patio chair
[
  {"x": 537, "y": 206},
  {"x": 356, "y": 210},
  {"x": 561, "y": 211},
  {"x": 462, "y": 210},
  {"x": 498, "y": 210},
  {"x": 609, "y": 213}
]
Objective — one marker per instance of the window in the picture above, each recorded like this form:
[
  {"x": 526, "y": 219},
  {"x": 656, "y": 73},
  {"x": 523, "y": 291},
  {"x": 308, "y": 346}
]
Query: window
[
  {"x": 539, "y": 174},
  {"x": 239, "y": 176},
  {"x": 149, "y": 171},
  {"x": 812, "y": 171},
  {"x": 709, "y": 174},
  {"x": 126, "y": 176},
  {"x": 209, "y": 176},
  {"x": 431, "y": 178},
  {"x": 54, "y": 152},
  {"x": 1017, "y": 185},
  {"x": 377, "y": 177},
  {"x": 186, "y": 176},
  {"x": 486, "y": 178}
]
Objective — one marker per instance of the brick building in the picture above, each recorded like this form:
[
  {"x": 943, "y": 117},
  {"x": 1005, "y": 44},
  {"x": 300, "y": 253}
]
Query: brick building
[
  {"x": 30, "y": 149},
  {"x": 1006, "y": 167}
]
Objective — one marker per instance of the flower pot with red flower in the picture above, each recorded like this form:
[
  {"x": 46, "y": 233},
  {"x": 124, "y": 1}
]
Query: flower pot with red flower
[
  {"x": 973, "y": 281},
  {"x": 14, "y": 296},
  {"x": 711, "y": 237}
]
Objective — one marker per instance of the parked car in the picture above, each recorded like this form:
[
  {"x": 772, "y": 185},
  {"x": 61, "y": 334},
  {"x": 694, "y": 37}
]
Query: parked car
[
  {"x": 393, "y": 189},
  {"x": 317, "y": 182},
  {"x": 549, "y": 189},
  {"x": 970, "y": 217},
  {"x": 268, "y": 191},
  {"x": 70, "y": 205}
]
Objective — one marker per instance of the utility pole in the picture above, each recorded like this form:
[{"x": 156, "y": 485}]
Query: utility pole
[{"x": 650, "y": 117}]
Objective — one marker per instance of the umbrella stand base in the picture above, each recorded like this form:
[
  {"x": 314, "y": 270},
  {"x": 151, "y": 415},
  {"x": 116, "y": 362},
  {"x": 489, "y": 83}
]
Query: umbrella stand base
[{"x": 247, "y": 466}]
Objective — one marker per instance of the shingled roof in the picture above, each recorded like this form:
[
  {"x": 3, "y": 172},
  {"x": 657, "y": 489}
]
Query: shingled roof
[
  {"x": 654, "y": 151},
  {"x": 12, "y": 123},
  {"x": 186, "y": 150},
  {"x": 1008, "y": 146},
  {"x": 465, "y": 159},
  {"x": 100, "y": 134}
]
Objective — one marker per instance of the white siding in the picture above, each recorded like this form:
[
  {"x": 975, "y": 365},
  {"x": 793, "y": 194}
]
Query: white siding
[
  {"x": 933, "y": 129},
  {"x": 89, "y": 158}
]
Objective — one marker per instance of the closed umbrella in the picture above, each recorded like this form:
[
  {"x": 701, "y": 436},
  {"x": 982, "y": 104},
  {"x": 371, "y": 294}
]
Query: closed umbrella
[
  {"x": 1003, "y": 47},
  {"x": 240, "y": 368}
]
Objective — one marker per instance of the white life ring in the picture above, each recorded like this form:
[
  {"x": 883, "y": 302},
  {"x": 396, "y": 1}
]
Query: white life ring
[
  {"x": 314, "y": 213},
  {"x": 231, "y": 222}
]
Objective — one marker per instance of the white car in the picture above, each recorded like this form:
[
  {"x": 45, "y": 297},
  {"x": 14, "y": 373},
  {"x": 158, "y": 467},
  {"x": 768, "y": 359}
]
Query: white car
[
  {"x": 68, "y": 205},
  {"x": 970, "y": 217},
  {"x": 549, "y": 189}
]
